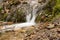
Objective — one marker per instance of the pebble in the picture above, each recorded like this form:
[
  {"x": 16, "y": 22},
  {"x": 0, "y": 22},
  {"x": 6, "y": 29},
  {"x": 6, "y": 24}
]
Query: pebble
[{"x": 50, "y": 26}]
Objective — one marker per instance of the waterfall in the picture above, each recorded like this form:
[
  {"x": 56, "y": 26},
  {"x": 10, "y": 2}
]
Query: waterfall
[{"x": 30, "y": 19}]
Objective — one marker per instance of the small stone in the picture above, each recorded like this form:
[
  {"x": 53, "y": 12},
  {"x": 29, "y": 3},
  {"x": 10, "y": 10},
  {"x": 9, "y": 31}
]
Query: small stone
[
  {"x": 1, "y": 23},
  {"x": 58, "y": 30},
  {"x": 31, "y": 27},
  {"x": 50, "y": 26},
  {"x": 59, "y": 35},
  {"x": 23, "y": 31},
  {"x": 1, "y": 27}
]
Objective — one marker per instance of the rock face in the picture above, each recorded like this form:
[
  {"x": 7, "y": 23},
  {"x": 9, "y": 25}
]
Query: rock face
[{"x": 14, "y": 10}]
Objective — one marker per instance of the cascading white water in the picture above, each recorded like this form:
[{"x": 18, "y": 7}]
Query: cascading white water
[
  {"x": 33, "y": 4},
  {"x": 30, "y": 17},
  {"x": 29, "y": 21}
]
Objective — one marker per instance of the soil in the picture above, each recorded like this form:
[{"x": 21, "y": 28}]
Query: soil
[{"x": 41, "y": 31}]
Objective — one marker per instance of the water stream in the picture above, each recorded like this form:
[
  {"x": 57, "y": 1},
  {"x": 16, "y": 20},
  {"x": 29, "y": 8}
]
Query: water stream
[{"x": 29, "y": 20}]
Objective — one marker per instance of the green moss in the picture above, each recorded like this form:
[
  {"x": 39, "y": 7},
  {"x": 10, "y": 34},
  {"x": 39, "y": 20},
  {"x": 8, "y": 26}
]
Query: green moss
[{"x": 51, "y": 12}]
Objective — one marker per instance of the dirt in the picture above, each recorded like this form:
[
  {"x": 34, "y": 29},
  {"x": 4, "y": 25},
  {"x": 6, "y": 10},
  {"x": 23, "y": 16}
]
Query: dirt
[{"x": 41, "y": 31}]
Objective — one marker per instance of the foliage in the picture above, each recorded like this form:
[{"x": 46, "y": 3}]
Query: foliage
[{"x": 51, "y": 12}]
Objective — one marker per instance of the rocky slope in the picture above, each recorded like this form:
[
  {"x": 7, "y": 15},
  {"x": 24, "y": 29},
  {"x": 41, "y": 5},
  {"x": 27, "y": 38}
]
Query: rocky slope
[
  {"x": 48, "y": 23},
  {"x": 42, "y": 31}
]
